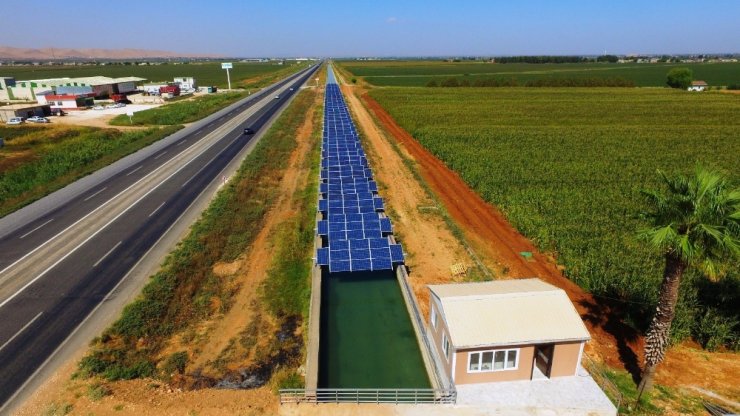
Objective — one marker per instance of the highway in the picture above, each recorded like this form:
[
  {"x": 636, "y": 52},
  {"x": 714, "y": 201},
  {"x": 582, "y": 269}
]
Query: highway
[{"x": 58, "y": 265}]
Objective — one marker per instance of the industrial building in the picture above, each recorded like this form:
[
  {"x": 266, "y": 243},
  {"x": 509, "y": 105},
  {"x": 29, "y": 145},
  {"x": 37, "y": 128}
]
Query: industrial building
[
  {"x": 23, "y": 110},
  {"x": 98, "y": 87}
]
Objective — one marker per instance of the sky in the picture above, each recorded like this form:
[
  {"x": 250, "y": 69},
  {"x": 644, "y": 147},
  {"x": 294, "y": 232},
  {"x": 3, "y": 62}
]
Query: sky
[{"x": 329, "y": 28}]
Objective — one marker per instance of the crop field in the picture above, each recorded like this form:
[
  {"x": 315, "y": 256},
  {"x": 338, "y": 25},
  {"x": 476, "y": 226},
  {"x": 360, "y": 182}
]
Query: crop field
[
  {"x": 566, "y": 166},
  {"x": 420, "y": 73},
  {"x": 208, "y": 73}
]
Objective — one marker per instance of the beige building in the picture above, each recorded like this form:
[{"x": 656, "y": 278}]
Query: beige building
[{"x": 505, "y": 330}]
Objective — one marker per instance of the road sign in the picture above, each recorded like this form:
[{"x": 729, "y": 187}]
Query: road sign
[{"x": 226, "y": 65}]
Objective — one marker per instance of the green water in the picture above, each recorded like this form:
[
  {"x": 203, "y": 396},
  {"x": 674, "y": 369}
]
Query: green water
[{"x": 367, "y": 340}]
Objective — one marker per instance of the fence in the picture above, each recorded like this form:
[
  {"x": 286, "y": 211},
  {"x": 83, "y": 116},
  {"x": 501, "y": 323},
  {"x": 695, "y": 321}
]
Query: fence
[{"x": 394, "y": 396}]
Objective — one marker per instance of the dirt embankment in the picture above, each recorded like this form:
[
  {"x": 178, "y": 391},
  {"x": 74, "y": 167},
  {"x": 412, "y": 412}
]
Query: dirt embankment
[{"x": 495, "y": 240}]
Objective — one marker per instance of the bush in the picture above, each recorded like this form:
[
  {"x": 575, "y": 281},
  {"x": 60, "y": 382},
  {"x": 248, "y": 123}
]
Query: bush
[
  {"x": 714, "y": 330},
  {"x": 679, "y": 78},
  {"x": 733, "y": 87},
  {"x": 175, "y": 363}
]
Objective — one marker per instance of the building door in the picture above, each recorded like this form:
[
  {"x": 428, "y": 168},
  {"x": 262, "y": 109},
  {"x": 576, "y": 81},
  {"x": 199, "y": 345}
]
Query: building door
[{"x": 543, "y": 359}]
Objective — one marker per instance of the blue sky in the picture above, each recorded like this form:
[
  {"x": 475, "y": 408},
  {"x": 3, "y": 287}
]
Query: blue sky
[{"x": 381, "y": 27}]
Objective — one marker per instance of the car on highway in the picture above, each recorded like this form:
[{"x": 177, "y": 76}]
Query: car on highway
[
  {"x": 291, "y": 88},
  {"x": 15, "y": 120},
  {"x": 248, "y": 131},
  {"x": 277, "y": 97},
  {"x": 37, "y": 119}
]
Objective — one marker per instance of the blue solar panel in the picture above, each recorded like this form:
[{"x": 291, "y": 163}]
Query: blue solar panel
[
  {"x": 322, "y": 256},
  {"x": 396, "y": 253},
  {"x": 350, "y": 203},
  {"x": 322, "y": 227}
]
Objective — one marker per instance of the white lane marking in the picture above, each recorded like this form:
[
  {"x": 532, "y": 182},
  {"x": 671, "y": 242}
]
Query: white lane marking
[
  {"x": 35, "y": 229},
  {"x": 181, "y": 142},
  {"x": 209, "y": 162},
  {"x": 106, "y": 254},
  {"x": 157, "y": 209},
  {"x": 21, "y": 330},
  {"x": 140, "y": 166},
  {"x": 93, "y": 195},
  {"x": 160, "y": 155},
  {"x": 96, "y": 210},
  {"x": 69, "y": 253}
]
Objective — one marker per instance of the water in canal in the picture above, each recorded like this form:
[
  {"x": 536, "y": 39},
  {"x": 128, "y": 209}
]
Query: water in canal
[{"x": 367, "y": 340}]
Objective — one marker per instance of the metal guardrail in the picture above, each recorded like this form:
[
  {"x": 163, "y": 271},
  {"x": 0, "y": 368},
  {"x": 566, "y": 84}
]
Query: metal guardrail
[{"x": 394, "y": 396}]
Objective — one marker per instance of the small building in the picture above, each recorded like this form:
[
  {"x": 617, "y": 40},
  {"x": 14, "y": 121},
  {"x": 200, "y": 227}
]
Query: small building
[
  {"x": 505, "y": 330},
  {"x": 23, "y": 110},
  {"x": 698, "y": 85},
  {"x": 186, "y": 83},
  {"x": 66, "y": 102}
]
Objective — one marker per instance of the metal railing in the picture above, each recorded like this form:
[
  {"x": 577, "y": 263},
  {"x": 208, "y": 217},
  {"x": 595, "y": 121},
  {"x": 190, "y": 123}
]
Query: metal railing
[{"x": 394, "y": 396}]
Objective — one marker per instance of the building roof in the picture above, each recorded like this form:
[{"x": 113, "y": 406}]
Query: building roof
[
  {"x": 508, "y": 312},
  {"x": 96, "y": 80},
  {"x": 699, "y": 83}
]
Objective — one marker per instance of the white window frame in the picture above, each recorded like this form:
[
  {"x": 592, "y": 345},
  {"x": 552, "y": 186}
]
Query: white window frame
[
  {"x": 433, "y": 318},
  {"x": 446, "y": 346},
  {"x": 493, "y": 369}
]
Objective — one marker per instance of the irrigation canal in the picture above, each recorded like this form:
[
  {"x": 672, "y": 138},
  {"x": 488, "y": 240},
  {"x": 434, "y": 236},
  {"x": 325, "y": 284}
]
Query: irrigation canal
[{"x": 366, "y": 335}]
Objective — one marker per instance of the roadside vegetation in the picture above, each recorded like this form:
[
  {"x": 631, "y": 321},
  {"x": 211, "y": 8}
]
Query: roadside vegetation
[
  {"x": 180, "y": 112},
  {"x": 419, "y": 73},
  {"x": 185, "y": 292},
  {"x": 567, "y": 167},
  {"x": 36, "y": 160}
]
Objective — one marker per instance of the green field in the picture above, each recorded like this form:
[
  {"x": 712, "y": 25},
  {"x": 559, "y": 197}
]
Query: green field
[
  {"x": 419, "y": 73},
  {"x": 567, "y": 165},
  {"x": 209, "y": 73}
]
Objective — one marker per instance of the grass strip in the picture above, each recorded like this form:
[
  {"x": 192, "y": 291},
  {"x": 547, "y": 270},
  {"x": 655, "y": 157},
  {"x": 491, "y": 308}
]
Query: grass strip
[
  {"x": 64, "y": 156},
  {"x": 179, "y": 112}
]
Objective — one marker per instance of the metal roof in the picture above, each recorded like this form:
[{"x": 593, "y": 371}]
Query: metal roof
[
  {"x": 96, "y": 80},
  {"x": 508, "y": 312}
]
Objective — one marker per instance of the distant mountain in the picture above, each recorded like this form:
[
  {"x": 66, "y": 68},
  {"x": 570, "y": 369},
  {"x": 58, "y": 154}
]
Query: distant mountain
[{"x": 21, "y": 54}]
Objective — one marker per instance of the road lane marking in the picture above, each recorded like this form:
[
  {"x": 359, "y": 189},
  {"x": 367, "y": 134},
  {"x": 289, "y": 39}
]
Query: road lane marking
[
  {"x": 19, "y": 332},
  {"x": 209, "y": 162},
  {"x": 93, "y": 195},
  {"x": 106, "y": 254},
  {"x": 69, "y": 253},
  {"x": 35, "y": 229},
  {"x": 181, "y": 142},
  {"x": 160, "y": 155},
  {"x": 140, "y": 166},
  {"x": 157, "y": 209}
]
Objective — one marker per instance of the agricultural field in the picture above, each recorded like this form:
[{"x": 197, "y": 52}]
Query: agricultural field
[
  {"x": 566, "y": 166},
  {"x": 207, "y": 73},
  {"x": 420, "y": 73}
]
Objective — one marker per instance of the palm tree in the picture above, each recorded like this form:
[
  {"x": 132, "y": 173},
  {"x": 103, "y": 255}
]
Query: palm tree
[{"x": 695, "y": 224}]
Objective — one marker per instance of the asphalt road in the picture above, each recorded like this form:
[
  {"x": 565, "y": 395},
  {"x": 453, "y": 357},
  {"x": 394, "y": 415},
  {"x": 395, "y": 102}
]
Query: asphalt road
[{"x": 58, "y": 267}]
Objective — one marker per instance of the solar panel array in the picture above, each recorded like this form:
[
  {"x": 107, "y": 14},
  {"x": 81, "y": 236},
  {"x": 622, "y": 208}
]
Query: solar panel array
[{"x": 352, "y": 225}]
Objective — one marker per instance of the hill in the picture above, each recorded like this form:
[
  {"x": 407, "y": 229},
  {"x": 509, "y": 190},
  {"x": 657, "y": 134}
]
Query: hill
[{"x": 49, "y": 53}]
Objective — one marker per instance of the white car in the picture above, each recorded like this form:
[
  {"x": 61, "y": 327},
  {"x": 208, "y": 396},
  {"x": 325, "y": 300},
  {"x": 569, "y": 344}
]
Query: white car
[
  {"x": 277, "y": 97},
  {"x": 37, "y": 119},
  {"x": 120, "y": 105},
  {"x": 111, "y": 106},
  {"x": 15, "y": 120},
  {"x": 98, "y": 107}
]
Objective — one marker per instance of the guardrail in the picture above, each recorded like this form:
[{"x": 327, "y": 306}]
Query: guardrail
[{"x": 394, "y": 396}]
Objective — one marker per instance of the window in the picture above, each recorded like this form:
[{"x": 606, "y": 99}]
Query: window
[
  {"x": 497, "y": 360},
  {"x": 434, "y": 318},
  {"x": 446, "y": 346}
]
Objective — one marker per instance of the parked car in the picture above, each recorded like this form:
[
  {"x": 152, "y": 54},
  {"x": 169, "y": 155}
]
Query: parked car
[
  {"x": 248, "y": 131},
  {"x": 120, "y": 105},
  {"x": 110, "y": 106},
  {"x": 15, "y": 120},
  {"x": 37, "y": 119},
  {"x": 98, "y": 107}
]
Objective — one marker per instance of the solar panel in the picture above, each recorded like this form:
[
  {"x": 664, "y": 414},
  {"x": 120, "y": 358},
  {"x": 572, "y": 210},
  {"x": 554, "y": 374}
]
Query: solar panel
[{"x": 350, "y": 203}]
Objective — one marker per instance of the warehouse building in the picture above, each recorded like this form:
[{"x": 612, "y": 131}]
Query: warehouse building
[
  {"x": 23, "y": 110},
  {"x": 98, "y": 86}
]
